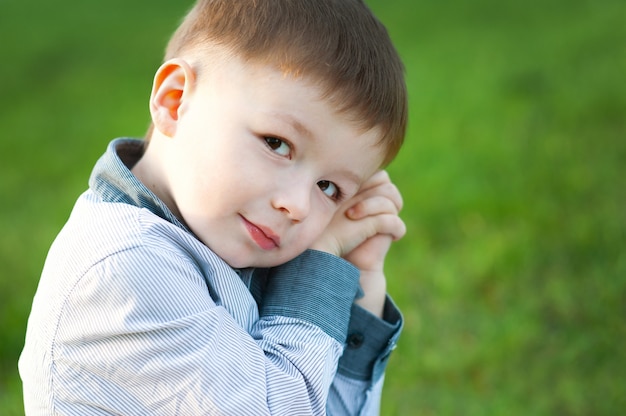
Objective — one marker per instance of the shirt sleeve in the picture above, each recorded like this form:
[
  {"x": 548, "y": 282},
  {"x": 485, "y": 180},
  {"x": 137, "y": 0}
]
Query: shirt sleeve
[
  {"x": 137, "y": 338},
  {"x": 357, "y": 388}
]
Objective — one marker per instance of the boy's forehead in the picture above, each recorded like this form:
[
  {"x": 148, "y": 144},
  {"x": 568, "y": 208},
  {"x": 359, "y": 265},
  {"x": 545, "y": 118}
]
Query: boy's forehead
[
  {"x": 281, "y": 80},
  {"x": 227, "y": 62}
]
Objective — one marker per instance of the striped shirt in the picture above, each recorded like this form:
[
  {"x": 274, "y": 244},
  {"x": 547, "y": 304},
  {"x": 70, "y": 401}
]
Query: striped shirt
[{"x": 135, "y": 316}]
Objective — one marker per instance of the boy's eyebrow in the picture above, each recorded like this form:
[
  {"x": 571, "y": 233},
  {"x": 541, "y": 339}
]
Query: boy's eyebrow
[{"x": 296, "y": 124}]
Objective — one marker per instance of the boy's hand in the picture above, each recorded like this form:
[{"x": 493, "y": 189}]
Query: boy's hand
[
  {"x": 363, "y": 228},
  {"x": 362, "y": 231}
]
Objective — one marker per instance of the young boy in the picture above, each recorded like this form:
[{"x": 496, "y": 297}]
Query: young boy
[{"x": 232, "y": 263}]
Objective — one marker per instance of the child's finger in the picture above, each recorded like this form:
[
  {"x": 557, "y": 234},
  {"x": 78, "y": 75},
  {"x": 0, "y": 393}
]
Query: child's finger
[
  {"x": 386, "y": 190},
  {"x": 376, "y": 179},
  {"x": 387, "y": 224},
  {"x": 372, "y": 206},
  {"x": 383, "y": 224},
  {"x": 391, "y": 225}
]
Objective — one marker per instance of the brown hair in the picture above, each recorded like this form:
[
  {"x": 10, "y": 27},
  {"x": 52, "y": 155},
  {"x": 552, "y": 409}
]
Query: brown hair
[{"x": 338, "y": 43}]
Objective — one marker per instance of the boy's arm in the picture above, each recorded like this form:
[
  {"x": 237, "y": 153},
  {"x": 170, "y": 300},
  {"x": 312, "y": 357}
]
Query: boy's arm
[
  {"x": 358, "y": 385},
  {"x": 139, "y": 337},
  {"x": 362, "y": 233}
]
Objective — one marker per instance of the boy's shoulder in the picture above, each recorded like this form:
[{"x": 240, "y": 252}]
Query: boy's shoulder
[
  {"x": 97, "y": 230},
  {"x": 109, "y": 246}
]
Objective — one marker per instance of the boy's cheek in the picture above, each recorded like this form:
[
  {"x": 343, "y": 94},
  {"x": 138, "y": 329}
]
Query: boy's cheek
[
  {"x": 315, "y": 228},
  {"x": 326, "y": 222}
]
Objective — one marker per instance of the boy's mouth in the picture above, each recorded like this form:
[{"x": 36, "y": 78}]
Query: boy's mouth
[{"x": 262, "y": 236}]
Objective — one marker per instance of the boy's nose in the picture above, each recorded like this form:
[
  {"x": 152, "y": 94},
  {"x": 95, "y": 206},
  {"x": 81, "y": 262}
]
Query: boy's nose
[{"x": 294, "y": 201}]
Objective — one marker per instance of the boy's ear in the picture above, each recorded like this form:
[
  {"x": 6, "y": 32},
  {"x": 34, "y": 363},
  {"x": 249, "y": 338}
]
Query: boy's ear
[{"x": 172, "y": 83}]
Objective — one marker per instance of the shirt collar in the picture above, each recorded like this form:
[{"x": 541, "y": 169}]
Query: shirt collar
[{"x": 112, "y": 180}]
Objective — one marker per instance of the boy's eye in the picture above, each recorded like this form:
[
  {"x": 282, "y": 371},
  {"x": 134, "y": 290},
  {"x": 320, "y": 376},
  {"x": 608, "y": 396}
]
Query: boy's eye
[
  {"x": 279, "y": 146},
  {"x": 330, "y": 189}
]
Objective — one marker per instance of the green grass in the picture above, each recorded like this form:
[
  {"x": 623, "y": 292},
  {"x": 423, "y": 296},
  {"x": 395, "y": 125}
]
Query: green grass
[{"x": 512, "y": 278}]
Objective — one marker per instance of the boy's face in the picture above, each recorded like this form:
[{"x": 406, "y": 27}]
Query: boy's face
[{"x": 258, "y": 163}]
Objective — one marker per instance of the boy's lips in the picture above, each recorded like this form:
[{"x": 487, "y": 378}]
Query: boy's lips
[{"x": 262, "y": 236}]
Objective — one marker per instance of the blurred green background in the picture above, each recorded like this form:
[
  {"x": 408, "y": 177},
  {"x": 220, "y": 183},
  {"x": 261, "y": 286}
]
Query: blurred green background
[{"x": 512, "y": 277}]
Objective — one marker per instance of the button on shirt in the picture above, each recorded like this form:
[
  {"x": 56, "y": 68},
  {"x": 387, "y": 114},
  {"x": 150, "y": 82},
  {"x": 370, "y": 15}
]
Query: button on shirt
[{"x": 135, "y": 316}]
